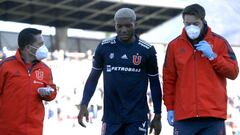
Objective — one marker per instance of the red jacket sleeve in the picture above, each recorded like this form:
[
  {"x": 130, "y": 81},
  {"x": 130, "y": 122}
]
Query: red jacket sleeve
[
  {"x": 1, "y": 78},
  {"x": 169, "y": 78},
  {"x": 226, "y": 62}
]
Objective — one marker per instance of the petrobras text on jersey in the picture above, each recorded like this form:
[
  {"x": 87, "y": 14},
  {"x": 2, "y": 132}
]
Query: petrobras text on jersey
[{"x": 125, "y": 69}]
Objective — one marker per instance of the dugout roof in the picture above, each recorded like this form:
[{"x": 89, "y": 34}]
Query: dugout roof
[{"x": 94, "y": 15}]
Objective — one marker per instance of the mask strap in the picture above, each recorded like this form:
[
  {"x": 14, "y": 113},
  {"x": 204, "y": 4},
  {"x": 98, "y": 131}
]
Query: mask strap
[
  {"x": 31, "y": 51},
  {"x": 33, "y": 47}
]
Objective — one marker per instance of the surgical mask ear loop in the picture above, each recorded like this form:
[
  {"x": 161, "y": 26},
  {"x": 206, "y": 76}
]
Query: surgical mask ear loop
[{"x": 34, "y": 54}]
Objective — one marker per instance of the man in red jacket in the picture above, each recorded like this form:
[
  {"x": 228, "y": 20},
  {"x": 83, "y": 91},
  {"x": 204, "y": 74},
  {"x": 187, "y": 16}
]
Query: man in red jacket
[
  {"x": 196, "y": 67},
  {"x": 25, "y": 82}
]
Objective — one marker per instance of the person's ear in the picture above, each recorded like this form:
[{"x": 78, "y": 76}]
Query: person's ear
[
  {"x": 27, "y": 47},
  {"x": 134, "y": 24}
]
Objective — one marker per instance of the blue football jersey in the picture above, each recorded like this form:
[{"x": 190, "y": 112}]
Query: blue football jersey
[{"x": 126, "y": 68}]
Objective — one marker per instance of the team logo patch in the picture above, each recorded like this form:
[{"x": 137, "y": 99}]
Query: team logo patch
[
  {"x": 39, "y": 74},
  {"x": 111, "y": 55},
  {"x": 137, "y": 59},
  {"x": 182, "y": 50}
]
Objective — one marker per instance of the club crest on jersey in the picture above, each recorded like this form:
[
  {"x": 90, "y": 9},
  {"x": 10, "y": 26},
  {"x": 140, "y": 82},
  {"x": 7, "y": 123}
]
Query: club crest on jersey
[
  {"x": 137, "y": 59},
  {"x": 39, "y": 74},
  {"x": 111, "y": 55}
]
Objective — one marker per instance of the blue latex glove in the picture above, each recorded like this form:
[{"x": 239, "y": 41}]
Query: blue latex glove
[
  {"x": 206, "y": 49},
  {"x": 45, "y": 91},
  {"x": 170, "y": 117}
]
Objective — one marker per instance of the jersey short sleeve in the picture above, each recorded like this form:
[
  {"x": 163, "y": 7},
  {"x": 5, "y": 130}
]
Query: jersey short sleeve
[
  {"x": 152, "y": 66},
  {"x": 98, "y": 58}
]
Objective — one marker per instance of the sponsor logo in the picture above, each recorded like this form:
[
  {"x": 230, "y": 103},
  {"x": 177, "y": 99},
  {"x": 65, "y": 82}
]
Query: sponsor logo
[
  {"x": 109, "y": 69},
  {"x": 123, "y": 69},
  {"x": 37, "y": 82}
]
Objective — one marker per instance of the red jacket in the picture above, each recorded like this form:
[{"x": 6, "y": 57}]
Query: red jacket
[
  {"x": 193, "y": 86},
  {"x": 21, "y": 107}
]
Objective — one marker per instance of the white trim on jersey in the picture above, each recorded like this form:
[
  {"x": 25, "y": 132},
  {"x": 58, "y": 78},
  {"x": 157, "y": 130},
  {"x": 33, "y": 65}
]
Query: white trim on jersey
[
  {"x": 144, "y": 42},
  {"x": 96, "y": 68},
  {"x": 152, "y": 75},
  {"x": 111, "y": 40},
  {"x": 143, "y": 45}
]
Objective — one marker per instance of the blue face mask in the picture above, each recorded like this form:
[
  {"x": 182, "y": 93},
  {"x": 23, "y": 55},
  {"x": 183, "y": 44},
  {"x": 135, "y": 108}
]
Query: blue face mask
[
  {"x": 41, "y": 53},
  {"x": 193, "y": 31}
]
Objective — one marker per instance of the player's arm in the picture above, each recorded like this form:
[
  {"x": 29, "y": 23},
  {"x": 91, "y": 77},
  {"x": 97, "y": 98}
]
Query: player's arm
[
  {"x": 156, "y": 92},
  {"x": 169, "y": 79},
  {"x": 153, "y": 76},
  {"x": 91, "y": 84},
  {"x": 88, "y": 92}
]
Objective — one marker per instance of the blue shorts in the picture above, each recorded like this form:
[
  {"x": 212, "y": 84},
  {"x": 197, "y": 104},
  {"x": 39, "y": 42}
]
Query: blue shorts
[
  {"x": 199, "y": 126},
  {"x": 136, "y": 128}
]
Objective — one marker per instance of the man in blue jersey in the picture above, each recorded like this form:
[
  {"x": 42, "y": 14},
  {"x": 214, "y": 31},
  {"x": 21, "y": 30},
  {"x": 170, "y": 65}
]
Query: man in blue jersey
[{"x": 128, "y": 64}]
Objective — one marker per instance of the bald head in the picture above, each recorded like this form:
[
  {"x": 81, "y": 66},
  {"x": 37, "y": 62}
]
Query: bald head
[{"x": 125, "y": 13}]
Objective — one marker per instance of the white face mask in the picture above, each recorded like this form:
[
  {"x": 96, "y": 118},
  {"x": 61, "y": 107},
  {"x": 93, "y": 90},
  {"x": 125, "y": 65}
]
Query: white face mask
[
  {"x": 193, "y": 31},
  {"x": 41, "y": 53}
]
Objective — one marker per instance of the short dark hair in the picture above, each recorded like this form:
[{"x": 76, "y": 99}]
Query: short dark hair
[
  {"x": 194, "y": 9},
  {"x": 26, "y": 37}
]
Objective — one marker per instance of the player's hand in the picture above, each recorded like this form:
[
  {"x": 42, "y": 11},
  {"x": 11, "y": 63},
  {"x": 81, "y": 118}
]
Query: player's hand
[
  {"x": 83, "y": 113},
  {"x": 45, "y": 91},
  {"x": 156, "y": 125},
  {"x": 170, "y": 117}
]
